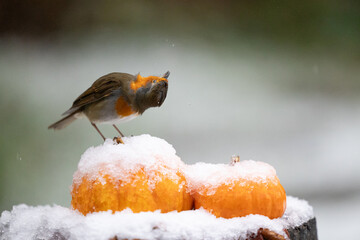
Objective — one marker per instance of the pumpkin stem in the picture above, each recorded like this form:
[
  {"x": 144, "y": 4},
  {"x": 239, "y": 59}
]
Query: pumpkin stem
[
  {"x": 234, "y": 159},
  {"x": 118, "y": 140}
]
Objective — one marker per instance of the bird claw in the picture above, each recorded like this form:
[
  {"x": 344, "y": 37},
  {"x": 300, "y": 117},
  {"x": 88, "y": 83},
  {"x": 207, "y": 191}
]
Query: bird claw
[{"x": 118, "y": 140}]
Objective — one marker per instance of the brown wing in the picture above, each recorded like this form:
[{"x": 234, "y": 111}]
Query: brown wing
[{"x": 100, "y": 89}]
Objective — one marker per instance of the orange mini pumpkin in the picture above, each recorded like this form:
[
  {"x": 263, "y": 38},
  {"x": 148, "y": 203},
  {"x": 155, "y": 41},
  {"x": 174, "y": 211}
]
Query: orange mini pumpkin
[
  {"x": 237, "y": 190},
  {"x": 143, "y": 174}
]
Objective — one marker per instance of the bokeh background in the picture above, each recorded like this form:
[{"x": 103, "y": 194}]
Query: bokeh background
[{"x": 274, "y": 81}]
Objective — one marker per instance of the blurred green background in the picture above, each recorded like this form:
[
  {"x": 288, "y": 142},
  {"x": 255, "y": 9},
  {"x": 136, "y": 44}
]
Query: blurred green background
[{"x": 274, "y": 81}]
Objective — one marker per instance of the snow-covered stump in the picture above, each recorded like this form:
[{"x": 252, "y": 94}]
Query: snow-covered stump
[
  {"x": 56, "y": 222},
  {"x": 117, "y": 190},
  {"x": 305, "y": 231}
]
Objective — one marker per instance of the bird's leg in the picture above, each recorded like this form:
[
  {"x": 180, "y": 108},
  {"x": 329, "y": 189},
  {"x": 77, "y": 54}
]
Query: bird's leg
[
  {"x": 98, "y": 130},
  {"x": 118, "y": 139},
  {"x": 122, "y": 135}
]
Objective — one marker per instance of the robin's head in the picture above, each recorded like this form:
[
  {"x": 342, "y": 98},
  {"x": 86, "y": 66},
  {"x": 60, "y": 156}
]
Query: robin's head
[{"x": 150, "y": 91}]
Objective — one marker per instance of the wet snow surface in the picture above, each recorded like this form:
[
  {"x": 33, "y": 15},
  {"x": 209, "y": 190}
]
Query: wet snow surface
[
  {"x": 151, "y": 154},
  {"x": 122, "y": 161},
  {"x": 56, "y": 222},
  {"x": 201, "y": 176}
]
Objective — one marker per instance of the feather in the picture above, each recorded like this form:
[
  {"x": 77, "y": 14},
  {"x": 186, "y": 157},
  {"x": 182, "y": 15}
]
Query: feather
[{"x": 101, "y": 88}]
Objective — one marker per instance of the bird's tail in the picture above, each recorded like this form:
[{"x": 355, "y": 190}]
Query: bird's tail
[{"x": 64, "y": 122}]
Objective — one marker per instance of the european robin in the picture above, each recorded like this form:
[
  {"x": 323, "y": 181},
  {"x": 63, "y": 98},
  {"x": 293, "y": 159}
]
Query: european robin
[{"x": 116, "y": 97}]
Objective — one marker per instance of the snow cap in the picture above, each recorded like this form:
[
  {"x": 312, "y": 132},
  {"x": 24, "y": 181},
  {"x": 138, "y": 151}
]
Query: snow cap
[
  {"x": 120, "y": 161},
  {"x": 211, "y": 176}
]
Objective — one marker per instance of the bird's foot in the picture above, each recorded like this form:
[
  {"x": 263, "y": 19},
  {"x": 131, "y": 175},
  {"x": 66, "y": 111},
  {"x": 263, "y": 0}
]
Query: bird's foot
[{"x": 118, "y": 140}]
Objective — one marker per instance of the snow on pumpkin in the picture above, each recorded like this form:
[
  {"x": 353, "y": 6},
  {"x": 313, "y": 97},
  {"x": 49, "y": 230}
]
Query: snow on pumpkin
[
  {"x": 237, "y": 190},
  {"x": 143, "y": 174}
]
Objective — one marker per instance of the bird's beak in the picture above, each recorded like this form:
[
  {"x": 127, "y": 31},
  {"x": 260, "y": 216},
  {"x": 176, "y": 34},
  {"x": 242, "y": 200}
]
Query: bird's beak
[{"x": 166, "y": 75}]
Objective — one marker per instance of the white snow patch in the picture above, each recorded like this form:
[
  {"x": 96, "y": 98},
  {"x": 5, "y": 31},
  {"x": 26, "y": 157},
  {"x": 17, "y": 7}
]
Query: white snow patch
[
  {"x": 147, "y": 153},
  {"x": 120, "y": 161},
  {"x": 56, "y": 222},
  {"x": 211, "y": 176}
]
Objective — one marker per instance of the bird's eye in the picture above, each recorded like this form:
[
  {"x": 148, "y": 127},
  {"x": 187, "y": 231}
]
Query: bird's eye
[{"x": 154, "y": 81}]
